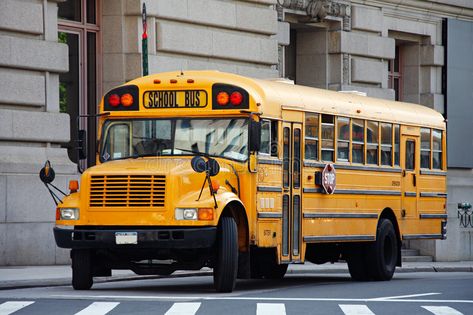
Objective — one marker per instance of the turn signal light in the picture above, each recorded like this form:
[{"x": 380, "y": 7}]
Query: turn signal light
[
  {"x": 236, "y": 98},
  {"x": 223, "y": 98},
  {"x": 206, "y": 214},
  {"x": 215, "y": 185},
  {"x": 126, "y": 99},
  {"x": 114, "y": 100}
]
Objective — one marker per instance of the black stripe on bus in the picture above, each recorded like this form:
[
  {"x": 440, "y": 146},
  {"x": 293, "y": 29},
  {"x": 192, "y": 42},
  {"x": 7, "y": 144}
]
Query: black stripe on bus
[
  {"x": 313, "y": 190},
  {"x": 339, "y": 238},
  {"x": 269, "y": 215},
  {"x": 433, "y": 194},
  {"x": 269, "y": 189},
  {"x": 433, "y": 216},
  {"x": 435, "y": 173},
  {"x": 269, "y": 161},
  {"x": 354, "y": 167},
  {"x": 346, "y": 215},
  {"x": 410, "y": 194},
  {"x": 367, "y": 192},
  {"x": 421, "y": 236}
]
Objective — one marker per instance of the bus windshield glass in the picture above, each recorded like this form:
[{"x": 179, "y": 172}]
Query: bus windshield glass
[{"x": 227, "y": 138}]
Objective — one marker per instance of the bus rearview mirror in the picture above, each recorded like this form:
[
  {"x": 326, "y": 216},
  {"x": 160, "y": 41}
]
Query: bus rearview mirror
[{"x": 255, "y": 135}]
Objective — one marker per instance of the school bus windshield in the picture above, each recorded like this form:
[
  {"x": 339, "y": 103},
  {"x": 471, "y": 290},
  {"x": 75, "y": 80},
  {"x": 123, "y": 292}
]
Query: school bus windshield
[{"x": 217, "y": 137}]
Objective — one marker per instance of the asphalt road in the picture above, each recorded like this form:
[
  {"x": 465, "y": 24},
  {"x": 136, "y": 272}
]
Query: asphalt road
[{"x": 410, "y": 293}]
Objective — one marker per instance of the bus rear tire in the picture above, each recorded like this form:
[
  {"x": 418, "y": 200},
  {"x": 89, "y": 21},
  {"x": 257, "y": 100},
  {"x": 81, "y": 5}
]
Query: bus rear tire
[
  {"x": 226, "y": 264},
  {"x": 81, "y": 269},
  {"x": 383, "y": 253}
]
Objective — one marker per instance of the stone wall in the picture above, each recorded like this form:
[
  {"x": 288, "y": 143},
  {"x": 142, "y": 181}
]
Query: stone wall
[
  {"x": 233, "y": 36},
  {"x": 31, "y": 131}
]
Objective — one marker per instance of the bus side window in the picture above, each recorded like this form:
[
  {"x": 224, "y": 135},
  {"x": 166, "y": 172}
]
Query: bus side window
[
  {"x": 328, "y": 132},
  {"x": 372, "y": 140},
  {"x": 410, "y": 155},
  {"x": 311, "y": 136},
  {"x": 269, "y": 138},
  {"x": 274, "y": 138},
  {"x": 265, "y": 137},
  {"x": 437, "y": 149},
  {"x": 358, "y": 140},
  {"x": 424, "y": 148}
]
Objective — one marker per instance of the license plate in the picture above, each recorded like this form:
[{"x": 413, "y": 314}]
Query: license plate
[
  {"x": 175, "y": 99},
  {"x": 126, "y": 238}
]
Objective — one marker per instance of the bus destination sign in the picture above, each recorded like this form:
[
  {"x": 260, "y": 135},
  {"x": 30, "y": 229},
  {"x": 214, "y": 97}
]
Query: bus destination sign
[{"x": 175, "y": 99}]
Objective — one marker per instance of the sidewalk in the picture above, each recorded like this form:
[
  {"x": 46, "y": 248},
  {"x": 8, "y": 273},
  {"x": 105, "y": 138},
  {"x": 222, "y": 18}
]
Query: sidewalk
[{"x": 41, "y": 276}]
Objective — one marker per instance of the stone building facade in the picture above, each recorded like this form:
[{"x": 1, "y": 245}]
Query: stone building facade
[{"x": 58, "y": 58}]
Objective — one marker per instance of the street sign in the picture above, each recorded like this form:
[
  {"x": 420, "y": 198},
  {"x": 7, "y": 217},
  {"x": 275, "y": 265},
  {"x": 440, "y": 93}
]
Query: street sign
[{"x": 329, "y": 179}]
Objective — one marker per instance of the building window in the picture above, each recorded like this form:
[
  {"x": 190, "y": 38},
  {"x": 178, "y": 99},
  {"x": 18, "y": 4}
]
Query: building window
[
  {"x": 395, "y": 74},
  {"x": 78, "y": 28}
]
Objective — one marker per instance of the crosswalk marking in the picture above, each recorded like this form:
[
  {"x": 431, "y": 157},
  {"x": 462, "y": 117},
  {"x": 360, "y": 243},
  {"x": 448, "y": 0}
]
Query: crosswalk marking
[
  {"x": 183, "y": 309},
  {"x": 355, "y": 309},
  {"x": 270, "y": 309},
  {"x": 11, "y": 307},
  {"x": 98, "y": 308},
  {"x": 442, "y": 310}
]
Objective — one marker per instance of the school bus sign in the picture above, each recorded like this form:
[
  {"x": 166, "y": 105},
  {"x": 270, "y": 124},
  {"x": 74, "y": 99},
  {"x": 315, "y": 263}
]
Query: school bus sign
[{"x": 329, "y": 179}]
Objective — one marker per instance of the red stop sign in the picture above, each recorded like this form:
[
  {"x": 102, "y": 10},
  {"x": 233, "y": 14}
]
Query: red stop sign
[{"x": 329, "y": 178}]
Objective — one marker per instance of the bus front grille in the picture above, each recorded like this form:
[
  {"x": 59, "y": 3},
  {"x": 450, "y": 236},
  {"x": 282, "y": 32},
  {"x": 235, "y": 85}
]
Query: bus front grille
[{"x": 127, "y": 191}]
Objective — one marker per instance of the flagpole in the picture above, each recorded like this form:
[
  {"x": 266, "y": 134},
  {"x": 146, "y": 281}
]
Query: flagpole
[{"x": 144, "y": 41}]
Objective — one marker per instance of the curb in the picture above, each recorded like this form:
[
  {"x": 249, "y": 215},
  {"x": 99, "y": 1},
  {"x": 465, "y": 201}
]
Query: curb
[{"x": 23, "y": 284}]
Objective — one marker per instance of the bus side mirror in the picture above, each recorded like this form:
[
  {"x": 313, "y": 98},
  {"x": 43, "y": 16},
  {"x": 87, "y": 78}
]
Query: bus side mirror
[
  {"x": 82, "y": 144},
  {"x": 255, "y": 135}
]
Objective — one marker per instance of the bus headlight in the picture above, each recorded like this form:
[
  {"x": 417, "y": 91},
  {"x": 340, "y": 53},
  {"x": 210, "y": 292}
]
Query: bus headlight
[
  {"x": 186, "y": 213},
  {"x": 68, "y": 213}
]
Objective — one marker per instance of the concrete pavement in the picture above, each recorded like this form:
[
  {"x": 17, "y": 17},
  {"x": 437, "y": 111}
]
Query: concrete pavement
[{"x": 38, "y": 276}]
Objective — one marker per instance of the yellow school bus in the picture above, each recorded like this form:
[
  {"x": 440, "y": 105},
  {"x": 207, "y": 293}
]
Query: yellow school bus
[{"x": 246, "y": 176}]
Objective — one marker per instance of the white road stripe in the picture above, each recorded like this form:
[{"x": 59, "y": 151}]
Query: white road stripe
[
  {"x": 11, "y": 307},
  {"x": 183, "y": 309},
  {"x": 270, "y": 309},
  {"x": 250, "y": 298},
  {"x": 98, "y": 308},
  {"x": 442, "y": 310},
  {"x": 353, "y": 309},
  {"x": 404, "y": 296}
]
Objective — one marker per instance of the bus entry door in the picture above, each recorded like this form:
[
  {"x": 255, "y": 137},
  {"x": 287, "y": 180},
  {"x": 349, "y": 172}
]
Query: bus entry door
[
  {"x": 291, "y": 202},
  {"x": 410, "y": 165}
]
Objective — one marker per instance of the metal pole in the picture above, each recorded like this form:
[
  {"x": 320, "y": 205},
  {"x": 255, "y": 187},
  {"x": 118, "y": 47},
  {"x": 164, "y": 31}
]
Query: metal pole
[{"x": 144, "y": 42}]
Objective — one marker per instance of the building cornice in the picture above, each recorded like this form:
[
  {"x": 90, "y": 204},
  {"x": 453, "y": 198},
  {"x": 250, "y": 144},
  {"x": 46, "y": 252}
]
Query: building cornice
[{"x": 424, "y": 6}]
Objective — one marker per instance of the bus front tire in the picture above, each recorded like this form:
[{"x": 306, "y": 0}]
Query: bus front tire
[
  {"x": 226, "y": 264},
  {"x": 357, "y": 265},
  {"x": 382, "y": 254},
  {"x": 81, "y": 269}
]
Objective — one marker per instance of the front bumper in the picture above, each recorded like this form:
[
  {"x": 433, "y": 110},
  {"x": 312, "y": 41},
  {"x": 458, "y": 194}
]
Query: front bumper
[{"x": 158, "y": 238}]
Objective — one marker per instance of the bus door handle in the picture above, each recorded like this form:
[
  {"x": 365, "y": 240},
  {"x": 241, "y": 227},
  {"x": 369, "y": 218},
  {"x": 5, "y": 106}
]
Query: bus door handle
[{"x": 414, "y": 180}]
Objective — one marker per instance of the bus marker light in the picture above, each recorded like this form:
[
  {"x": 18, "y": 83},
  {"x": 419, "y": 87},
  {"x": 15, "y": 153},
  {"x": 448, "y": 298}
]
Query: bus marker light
[
  {"x": 114, "y": 100},
  {"x": 173, "y": 81},
  {"x": 236, "y": 98},
  {"x": 126, "y": 99},
  {"x": 73, "y": 186},
  {"x": 156, "y": 81},
  {"x": 206, "y": 214},
  {"x": 190, "y": 81},
  {"x": 223, "y": 98},
  {"x": 58, "y": 215}
]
